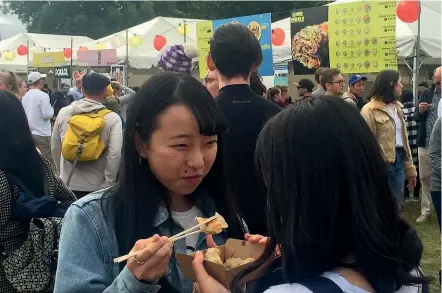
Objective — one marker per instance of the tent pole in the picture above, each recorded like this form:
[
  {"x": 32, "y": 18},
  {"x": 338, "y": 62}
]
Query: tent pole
[
  {"x": 416, "y": 58},
  {"x": 27, "y": 57},
  {"x": 126, "y": 62},
  {"x": 185, "y": 33}
]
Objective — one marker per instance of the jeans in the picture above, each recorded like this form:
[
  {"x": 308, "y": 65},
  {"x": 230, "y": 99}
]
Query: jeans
[
  {"x": 396, "y": 177},
  {"x": 436, "y": 197}
]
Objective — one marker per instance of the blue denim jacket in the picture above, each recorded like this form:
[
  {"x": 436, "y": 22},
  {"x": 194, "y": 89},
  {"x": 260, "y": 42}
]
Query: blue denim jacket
[{"x": 88, "y": 246}]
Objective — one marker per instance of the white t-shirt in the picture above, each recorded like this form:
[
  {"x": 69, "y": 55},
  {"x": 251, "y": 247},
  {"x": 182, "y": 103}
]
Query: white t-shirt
[
  {"x": 392, "y": 110},
  {"x": 188, "y": 220},
  {"x": 39, "y": 112},
  {"x": 339, "y": 280}
]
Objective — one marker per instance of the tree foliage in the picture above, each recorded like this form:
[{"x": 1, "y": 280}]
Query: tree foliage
[{"x": 96, "y": 19}]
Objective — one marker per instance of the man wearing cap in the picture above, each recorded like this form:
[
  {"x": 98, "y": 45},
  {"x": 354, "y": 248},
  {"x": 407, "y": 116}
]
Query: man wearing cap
[
  {"x": 92, "y": 175},
  {"x": 356, "y": 86},
  {"x": 305, "y": 88},
  {"x": 60, "y": 99},
  {"x": 39, "y": 112}
]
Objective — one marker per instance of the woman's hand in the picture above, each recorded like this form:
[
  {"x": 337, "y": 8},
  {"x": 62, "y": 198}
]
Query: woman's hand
[
  {"x": 412, "y": 182},
  {"x": 256, "y": 239},
  {"x": 204, "y": 282},
  {"x": 152, "y": 260}
]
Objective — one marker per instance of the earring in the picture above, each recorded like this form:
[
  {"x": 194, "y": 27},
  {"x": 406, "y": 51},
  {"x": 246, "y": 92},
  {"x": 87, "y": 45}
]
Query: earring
[{"x": 140, "y": 159}]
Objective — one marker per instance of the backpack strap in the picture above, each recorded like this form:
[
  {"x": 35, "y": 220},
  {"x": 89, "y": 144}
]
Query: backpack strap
[{"x": 321, "y": 285}]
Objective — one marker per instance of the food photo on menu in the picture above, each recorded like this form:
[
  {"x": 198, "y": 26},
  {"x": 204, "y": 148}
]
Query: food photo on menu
[{"x": 310, "y": 38}]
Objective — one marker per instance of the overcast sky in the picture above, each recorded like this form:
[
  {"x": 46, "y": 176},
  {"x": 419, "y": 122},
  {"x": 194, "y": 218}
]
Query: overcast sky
[{"x": 10, "y": 25}]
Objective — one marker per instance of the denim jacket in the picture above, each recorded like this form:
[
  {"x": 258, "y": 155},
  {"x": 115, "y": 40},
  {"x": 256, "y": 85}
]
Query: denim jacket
[{"x": 88, "y": 246}]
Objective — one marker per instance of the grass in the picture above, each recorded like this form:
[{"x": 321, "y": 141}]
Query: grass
[{"x": 430, "y": 235}]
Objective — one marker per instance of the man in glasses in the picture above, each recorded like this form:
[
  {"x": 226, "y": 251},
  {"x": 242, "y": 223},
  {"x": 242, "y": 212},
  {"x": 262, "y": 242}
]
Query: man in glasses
[
  {"x": 333, "y": 82},
  {"x": 305, "y": 88},
  {"x": 426, "y": 116},
  {"x": 211, "y": 83}
]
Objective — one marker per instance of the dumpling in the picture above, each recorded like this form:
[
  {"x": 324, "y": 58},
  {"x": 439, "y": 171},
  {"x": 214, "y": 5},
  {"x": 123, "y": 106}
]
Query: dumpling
[
  {"x": 215, "y": 226},
  {"x": 213, "y": 255},
  {"x": 235, "y": 262}
]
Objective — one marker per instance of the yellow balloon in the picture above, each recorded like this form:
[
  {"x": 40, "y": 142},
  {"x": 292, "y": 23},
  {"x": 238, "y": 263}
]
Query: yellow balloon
[
  {"x": 100, "y": 46},
  {"x": 117, "y": 42},
  {"x": 9, "y": 56},
  {"x": 135, "y": 41},
  {"x": 181, "y": 29}
]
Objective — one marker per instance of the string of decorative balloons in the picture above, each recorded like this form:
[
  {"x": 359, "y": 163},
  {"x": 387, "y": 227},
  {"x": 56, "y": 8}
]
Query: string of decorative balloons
[{"x": 407, "y": 11}]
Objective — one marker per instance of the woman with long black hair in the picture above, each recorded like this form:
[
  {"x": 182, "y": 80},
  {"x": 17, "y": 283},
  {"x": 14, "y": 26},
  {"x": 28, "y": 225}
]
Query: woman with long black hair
[
  {"x": 24, "y": 243},
  {"x": 385, "y": 117},
  {"x": 331, "y": 214},
  {"x": 169, "y": 176}
]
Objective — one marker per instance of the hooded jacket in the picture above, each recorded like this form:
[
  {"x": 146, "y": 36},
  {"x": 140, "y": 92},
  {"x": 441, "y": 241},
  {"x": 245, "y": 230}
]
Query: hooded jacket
[
  {"x": 94, "y": 175},
  {"x": 353, "y": 100}
]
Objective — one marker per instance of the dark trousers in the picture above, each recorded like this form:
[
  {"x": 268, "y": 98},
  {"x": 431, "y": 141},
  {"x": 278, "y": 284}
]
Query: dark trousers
[
  {"x": 435, "y": 196},
  {"x": 80, "y": 194}
]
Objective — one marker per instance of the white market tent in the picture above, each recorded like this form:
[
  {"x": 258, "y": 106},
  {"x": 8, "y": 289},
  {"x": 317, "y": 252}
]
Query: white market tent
[
  {"x": 145, "y": 56},
  {"x": 36, "y": 43},
  {"x": 406, "y": 33}
]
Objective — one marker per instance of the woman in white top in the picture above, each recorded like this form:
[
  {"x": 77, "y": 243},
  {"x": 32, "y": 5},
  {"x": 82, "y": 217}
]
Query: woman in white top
[
  {"x": 385, "y": 118},
  {"x": 331, "y": 213}
]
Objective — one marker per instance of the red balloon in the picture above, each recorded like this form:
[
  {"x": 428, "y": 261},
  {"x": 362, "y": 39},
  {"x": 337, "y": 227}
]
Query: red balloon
[
  {"x": 22, "y": 50},
  {"x": 159, "y": 42},
  {"x": 278, "y": 36},
  {"x": 408, "y": 10},
  {"x": 67, "y": 52}
]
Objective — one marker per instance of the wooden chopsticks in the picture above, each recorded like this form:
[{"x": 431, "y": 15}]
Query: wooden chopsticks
[{"x": 174, "y": 238}]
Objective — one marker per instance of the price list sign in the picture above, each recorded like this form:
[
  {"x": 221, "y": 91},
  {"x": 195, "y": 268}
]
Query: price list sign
[{"x": 363, "y": 36}]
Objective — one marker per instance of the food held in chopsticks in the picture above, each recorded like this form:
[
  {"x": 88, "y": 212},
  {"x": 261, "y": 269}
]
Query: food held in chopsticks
[
  {"x": 214, "y": 226},
  {"x": 214, "y": 255}
]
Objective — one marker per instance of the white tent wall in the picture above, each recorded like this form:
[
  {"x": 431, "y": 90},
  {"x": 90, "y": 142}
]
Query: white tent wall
[
  {"x": 146, "y": 56},
  {"x": 37, "y": 43}
]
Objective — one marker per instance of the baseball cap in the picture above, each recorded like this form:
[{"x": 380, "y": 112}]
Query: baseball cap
[
  {"x": 355, "y": 78},
  {"x": 305, "y": 84},
  {"x": 35, "y": 76},
  {"x": 94, "y": 82}
]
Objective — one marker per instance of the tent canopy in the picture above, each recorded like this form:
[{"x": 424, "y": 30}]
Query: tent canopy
[
  {"x": 37, "y": 43},
  {"x": 406, "y": 33},
  {"x": 146, "y": 56}
]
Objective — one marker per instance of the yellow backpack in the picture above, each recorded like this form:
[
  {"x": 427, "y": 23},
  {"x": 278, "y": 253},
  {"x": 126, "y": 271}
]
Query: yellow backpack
[{"x": 82, "y": 142}]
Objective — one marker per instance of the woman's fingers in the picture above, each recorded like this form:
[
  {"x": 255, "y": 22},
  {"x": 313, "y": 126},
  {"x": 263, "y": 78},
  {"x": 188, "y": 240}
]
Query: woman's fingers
[
  {"x": 210, "y": 242},
  {"x": 150, "y": 249},
  {"x": 161, "y": 254},
  {"x": 198, "y": 267},
  {"x": 256, "y": 239},
  {"x": 141, "y": 244}
]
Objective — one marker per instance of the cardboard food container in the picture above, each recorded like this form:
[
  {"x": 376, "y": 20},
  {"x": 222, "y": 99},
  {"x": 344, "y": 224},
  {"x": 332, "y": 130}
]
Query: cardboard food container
[{"x": 232, "y": 248}]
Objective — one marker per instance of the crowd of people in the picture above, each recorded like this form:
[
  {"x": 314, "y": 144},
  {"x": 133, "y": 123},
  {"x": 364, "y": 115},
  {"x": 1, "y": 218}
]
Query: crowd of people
[{"x": 319, "y": 181}]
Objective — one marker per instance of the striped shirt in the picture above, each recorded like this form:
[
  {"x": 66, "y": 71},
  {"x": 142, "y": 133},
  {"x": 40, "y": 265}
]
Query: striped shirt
[{"x": 412, "y": 130}]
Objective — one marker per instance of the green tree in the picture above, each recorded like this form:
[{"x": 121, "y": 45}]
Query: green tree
[{"x": 97, "y": 19}]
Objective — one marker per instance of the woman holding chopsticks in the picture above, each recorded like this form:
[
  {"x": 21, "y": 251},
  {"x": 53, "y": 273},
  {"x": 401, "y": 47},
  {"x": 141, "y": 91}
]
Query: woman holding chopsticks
[
  {"x": 171, "y": 173},
  {"x": 331, "y": 212}
]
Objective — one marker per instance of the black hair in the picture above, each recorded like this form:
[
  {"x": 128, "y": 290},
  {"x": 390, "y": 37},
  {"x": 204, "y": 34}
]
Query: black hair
[
  {"x": 407, "y": 96},
  {"x": 234, "y": 49},
  {"x": 135, "y": 200},
  {"x": 18, "y": 154},
  {"x": 256, "y": 84},
  {"x": 329, "y": 199},
  {"x": 384, "y": 84}
]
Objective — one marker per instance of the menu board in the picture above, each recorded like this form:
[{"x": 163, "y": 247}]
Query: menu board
[
  {"x": 363, "y": 36},
  {"x": 204, "y": 32}
]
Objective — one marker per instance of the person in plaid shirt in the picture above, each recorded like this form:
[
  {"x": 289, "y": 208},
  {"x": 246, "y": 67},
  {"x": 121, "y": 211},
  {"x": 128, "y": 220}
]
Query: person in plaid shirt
[{"x": 412, "y": 129}]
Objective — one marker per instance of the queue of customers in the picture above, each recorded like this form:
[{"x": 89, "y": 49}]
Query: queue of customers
[{"x": 323, "y": 197}]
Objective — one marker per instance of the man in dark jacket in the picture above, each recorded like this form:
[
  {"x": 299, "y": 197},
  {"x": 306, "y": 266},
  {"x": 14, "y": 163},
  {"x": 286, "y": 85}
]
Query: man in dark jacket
[
  {"x": 234, "y": 54},
  {"x": 426, "y": 116},
  {"x": 61, "y": 99}
]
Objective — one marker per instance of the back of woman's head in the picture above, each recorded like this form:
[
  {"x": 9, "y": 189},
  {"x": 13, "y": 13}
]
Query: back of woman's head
[
  {"x": 407, "y": 97},
  {"x": 329, "y": 199},
  {"x": 384, "y": 85},
  {"x": 139, "y": 192},
  {"x": 272, "y": 93},
  {"x": 10, "y": 81}
]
